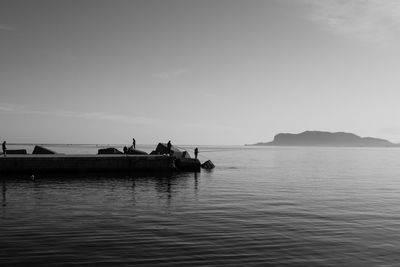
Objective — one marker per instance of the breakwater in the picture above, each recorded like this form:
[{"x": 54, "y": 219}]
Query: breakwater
[{"x": 85, "y": 163}]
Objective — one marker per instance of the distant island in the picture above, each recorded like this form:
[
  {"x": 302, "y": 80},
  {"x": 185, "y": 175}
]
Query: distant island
[{"x": 320, "y": 138}]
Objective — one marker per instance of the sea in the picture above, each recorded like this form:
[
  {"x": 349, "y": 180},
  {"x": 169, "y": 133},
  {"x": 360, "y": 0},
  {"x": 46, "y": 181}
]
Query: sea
[{"x": 260, "y": 206}]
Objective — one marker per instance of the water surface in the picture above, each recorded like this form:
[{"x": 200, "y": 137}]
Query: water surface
[{"x": 260, "y": 206}]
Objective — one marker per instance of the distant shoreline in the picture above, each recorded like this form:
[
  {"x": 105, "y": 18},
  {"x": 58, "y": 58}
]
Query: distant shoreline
[{"x": 325, "y": 139}]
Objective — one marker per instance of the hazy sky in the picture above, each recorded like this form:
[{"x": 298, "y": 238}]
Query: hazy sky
[{"x": 197, "y": 72}]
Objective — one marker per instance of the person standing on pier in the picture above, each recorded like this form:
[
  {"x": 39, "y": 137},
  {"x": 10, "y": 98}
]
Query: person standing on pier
[
  {"x": 3, "y": 146},
  {"x": 169, "y": 147},
  {"x": 133, "y": 143},
  {"x": 196, "y": 152}
]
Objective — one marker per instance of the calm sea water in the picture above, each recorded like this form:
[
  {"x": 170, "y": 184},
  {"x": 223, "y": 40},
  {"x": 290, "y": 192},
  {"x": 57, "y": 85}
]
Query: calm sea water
[{"x": 259, "y": 206}]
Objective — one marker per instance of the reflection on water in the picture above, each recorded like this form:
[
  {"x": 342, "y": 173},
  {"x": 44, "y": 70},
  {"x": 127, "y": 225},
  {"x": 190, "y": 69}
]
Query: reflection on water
[
  {"x": 164, "y": 186},
  {"x": 4, "y": 190},
  {"x": 269, "y": 206}
]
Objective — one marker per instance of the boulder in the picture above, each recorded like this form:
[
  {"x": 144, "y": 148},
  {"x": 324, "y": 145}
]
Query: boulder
[
  {"x": 109, "y": 151},
  {"x": 39, "y": 150},
  {"x": 177, "y": 153},
  {"x": 208, "y": 165},
  {"x": 132, "y": 151},
  {"x": 16, "y": 151}
]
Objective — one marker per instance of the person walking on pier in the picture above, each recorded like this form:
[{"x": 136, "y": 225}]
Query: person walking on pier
[
  {"x": 133, "y": 143},
  {"x": 196, "y": 152},
  {"x": 3, "y": 146},
  {"x": 169, "y": 147}
]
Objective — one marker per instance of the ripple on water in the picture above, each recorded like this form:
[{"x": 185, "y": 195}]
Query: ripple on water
[{"x": 262, "y": 207}]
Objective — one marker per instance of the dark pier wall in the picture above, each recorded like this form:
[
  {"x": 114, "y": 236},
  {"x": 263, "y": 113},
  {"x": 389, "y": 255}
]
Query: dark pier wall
[{"x": 85, "y": 163}]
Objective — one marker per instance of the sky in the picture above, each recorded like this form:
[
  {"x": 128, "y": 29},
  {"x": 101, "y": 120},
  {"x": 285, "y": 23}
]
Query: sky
[{"x": 209, "y": 72}]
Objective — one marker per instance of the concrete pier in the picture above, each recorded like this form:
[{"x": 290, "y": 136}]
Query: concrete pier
[{"x": 85, "y": 163}]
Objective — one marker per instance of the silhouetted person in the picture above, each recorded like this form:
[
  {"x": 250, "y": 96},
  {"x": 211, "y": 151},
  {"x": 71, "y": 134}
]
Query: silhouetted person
[
  {"x": 3, "y": 146},
  {"x": 133, "y": 143},
  {"x": 196, "y": 152},
  {"x": 125, "y": 150},
  {"x": 169, "y": 148}
]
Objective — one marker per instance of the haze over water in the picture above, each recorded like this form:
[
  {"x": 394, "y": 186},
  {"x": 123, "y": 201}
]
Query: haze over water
[{"x": 260, "y": 206}]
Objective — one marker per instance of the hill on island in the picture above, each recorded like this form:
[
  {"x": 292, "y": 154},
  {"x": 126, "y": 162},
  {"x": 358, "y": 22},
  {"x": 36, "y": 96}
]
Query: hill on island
[{"x": 319, "y": 138}]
